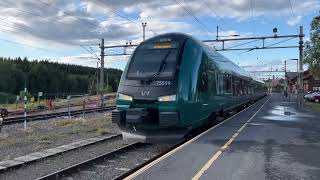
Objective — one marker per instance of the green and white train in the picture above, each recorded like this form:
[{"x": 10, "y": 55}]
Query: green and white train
[{"x": 174, "y": 83}]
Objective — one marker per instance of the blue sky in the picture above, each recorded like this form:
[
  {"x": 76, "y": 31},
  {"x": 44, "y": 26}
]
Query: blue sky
[{"x": 56, "y": 29}]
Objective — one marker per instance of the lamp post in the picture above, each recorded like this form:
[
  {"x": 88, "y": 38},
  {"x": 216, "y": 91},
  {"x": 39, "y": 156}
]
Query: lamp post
[
  {"x": 144, "y": 24},
  {"x": 297, "y": 63}
]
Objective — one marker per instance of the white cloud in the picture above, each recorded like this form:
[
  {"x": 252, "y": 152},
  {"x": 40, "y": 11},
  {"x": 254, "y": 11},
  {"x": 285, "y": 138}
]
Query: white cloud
[
  {"x": 65, "y": 23},
  {"x": 292, "y": 21},
  {"x": 92, "y": 20}
]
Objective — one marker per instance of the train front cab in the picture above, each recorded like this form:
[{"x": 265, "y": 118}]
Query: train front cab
[{"x": 147, "y": 101}]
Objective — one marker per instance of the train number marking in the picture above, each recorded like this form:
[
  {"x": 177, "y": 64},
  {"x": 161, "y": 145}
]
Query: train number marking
[{"x": 163, "y": 83}]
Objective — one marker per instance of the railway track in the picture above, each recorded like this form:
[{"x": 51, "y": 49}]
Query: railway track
[
  {"x": 67, "y": 148},
  {"x": 111, "y": 165},
  {"x": 45, "y": 116},
  {"x": 106, "y": 166}
]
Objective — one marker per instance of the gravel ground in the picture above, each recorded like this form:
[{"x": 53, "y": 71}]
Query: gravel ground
[
  {"x": 41, "y": 135},
  {"x": 116, "y": 166},
  {"x": 40, "y": 168}
]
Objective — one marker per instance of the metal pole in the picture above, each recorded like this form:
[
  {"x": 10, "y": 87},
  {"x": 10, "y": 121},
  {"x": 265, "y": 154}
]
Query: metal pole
[
  {"x": 97, "y": 88},
  {"x": 83, "y": 105},
  {"x": 17, "y": 101},
  {"x": 69, "y": 113},
  {"x": 144, "y": 24},
  {"x": 102, "y": 71},
  {"x": 300, "y": 93},
  {"x": 297, "y": 66},
  {"x": 217, "y": 36},
  {"x": 285, "y": 82},
  {"x": 25, "y": 109},
  {"x": 285, "y": 66},
  {"x": 107, "y": 80}
]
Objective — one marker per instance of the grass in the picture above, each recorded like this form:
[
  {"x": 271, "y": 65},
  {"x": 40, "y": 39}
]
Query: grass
[
  {"x": 78, "y": 126},
  {"x": 8, "y": 141},
  {"x": 314, "y": 106},
  {"x": 44, "y": 139},
  {"x": 102, "y": 131},
  {"x": 66, "y": 123}
]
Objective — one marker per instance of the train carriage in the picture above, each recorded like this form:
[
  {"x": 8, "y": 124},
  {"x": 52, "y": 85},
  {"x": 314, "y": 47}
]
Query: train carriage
[{"x": 174, "y": 83}]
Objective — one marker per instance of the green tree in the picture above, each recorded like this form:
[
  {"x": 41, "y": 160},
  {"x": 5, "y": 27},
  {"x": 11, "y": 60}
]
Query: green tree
[
  {"x": 312, "y": 48},
  {"x": 51, "y": 78}
]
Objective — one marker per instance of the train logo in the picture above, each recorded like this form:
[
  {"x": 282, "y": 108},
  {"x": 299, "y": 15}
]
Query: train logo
[{"x": 145, "y": 93}]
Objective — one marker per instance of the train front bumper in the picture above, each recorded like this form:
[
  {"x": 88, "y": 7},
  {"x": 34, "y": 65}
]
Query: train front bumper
[
  {"x": 135, "y": 125},
  {"x": 154, "y": 136},
  {"x": 140, "y": 116}
]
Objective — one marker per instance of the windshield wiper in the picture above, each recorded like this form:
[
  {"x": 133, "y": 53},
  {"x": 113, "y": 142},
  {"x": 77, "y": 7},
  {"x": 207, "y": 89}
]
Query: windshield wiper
[{"x": 162, "y": 65}]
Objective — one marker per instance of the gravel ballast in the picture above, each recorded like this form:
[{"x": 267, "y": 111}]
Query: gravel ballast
[
  {"x": 46, "y": 166},
  {"x": 41, "y": 135},
  {"x": 116, "y": 166}
]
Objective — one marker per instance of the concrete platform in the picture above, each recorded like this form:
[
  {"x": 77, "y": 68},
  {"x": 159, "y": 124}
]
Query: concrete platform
[{"x": 272, "y": 139}]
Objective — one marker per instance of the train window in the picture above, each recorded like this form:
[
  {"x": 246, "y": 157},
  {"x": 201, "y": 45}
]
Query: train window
[
  {"x": 147, "y": 63},
  {"x": 227, "y": 84},
  {"x": 204, "y": 70},
  {"x": 220, "y": 84},
  {"x": 236, "y": 84},
  {"x": 243, "y": 87}
]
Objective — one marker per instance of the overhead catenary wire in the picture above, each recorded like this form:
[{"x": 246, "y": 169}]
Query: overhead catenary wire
[
  {"x": 125, "y": 16},
  {"x": 252, "y": 18},
  {"x": 55, "y": 20},
  {"x": 280, "y": 42},
  {"x": 94, "y": 53},
  {"x": 215, "y": 13},
  {"x": 193, "y": 16},
  {"x": 243, "y": 43},
  {"x": 26, "y": 45},
  {"x": 90, "y": 52},
  {"x": 292, "y": 14},
  {"x": 69, "y": 14}
]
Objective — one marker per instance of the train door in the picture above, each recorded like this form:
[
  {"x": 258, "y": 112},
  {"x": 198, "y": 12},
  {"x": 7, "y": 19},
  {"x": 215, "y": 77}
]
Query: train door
[
  {"x": 227, "y": 88},
  {"x": 203, "y": 85},
  {"x": 236, "y": 90}
]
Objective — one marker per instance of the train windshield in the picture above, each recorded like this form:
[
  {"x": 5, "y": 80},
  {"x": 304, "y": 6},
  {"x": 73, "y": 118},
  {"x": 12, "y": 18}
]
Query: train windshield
[{"x": 154, "y": 60}]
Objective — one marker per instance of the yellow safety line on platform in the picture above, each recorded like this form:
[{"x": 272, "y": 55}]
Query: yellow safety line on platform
[
  {"x": 144, "y": 168},
  {"x": 217, "y": 154}
]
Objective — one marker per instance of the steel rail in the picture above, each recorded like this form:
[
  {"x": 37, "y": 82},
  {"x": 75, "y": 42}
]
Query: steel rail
[
  {"x": 84, "y": 164},
  {"x": 110, "y": 138},
  {"x": 46, "y": 116},
  {"x": 88, "y": 163}
]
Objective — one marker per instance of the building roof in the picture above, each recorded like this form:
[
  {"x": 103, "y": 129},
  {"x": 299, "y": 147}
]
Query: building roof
[{"x": 291, "y": 75}]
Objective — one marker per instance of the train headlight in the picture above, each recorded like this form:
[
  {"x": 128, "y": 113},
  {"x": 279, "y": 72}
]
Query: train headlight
[
  {"x": 167, "y": 98},
  {"x": 124, "y": 97}
]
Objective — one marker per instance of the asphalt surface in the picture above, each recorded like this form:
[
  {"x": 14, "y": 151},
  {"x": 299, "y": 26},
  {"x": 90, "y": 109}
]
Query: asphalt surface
[{"x": 279, "y": 141}]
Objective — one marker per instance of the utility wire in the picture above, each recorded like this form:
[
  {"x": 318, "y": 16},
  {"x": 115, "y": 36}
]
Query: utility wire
[
  {"x": 124, "y": 16},
  {"x": 252, "y": 18},
  {"x": 193, "y": 16},
  {"x": 215, "y": 13},
  {"x": 292, "y": 13},
  {"x": 90, "y": 52},
  {"x": 26, "y": 45},
  {"x": 244, "y": 43},
  {"x": 70, "y": 14},
  {"x": 94, "y": 53},
  {"x": 280, "y": 42}
]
